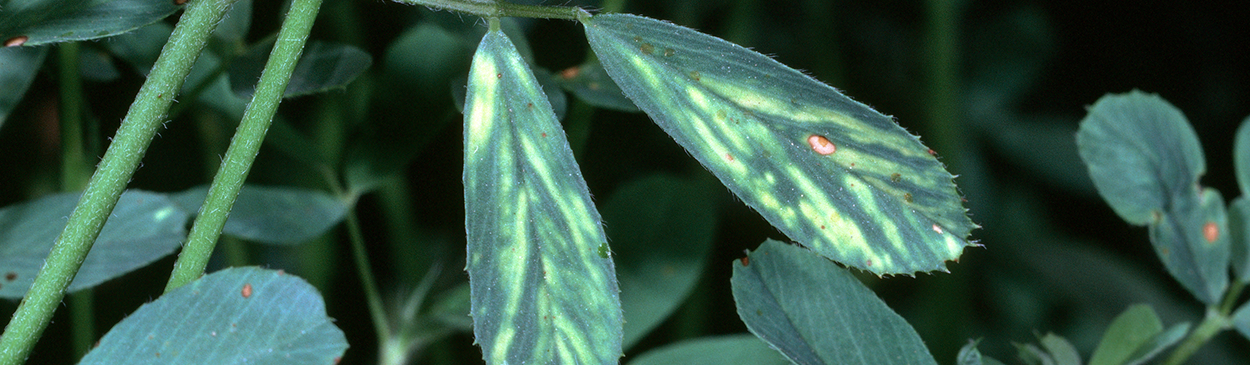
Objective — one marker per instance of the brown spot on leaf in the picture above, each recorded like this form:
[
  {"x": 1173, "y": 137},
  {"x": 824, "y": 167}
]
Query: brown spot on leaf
[
  {"x": 10, "y": 276},
  {"x": 937, "y": 228},
  {"x": 907, "y": 197},
  {"x": 499, "y": 75},
  {"x": 669, "y": 52},
  {"x": 570, "y": 72},
  {"x": 746, "y": 260},
  {"x": 695, "y": 75},
  {"x": 729, "y": 157},
  {"x": 896, "y": 177},
  {"x": 247, "y": 290},
  {"x": 646, "y": 48}
]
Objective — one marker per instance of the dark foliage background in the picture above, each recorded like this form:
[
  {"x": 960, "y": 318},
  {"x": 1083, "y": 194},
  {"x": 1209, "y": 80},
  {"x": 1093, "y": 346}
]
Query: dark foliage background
[{"x": 1055, "y": 257}]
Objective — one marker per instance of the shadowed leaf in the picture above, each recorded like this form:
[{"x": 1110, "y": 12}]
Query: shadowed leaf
[
  {"x": 19, "y": 68},
  {"x": 143, "y": 227},
  {"x": 47, "y": 21}
]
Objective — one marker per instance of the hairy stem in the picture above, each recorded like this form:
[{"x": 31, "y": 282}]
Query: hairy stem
[
  {"x": 1211, "y": 325},
  {"x": 110, "y": 179},
  {"x": 245, "y": 144}
]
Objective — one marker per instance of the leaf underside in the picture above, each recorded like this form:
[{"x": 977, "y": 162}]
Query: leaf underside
[
  {"x": 829, "y": 172},
  {"x": 542, "y": 279}
]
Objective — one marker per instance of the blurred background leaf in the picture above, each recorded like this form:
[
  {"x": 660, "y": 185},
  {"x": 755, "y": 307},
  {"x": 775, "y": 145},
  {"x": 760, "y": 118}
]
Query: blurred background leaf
[{"x": 47, "y": 21}]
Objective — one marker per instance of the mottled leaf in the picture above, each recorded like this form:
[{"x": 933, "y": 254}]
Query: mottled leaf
[
  {"x": 661, "y": 229},
  {"x": 18, "y": 67},
  {"x": 829, "y": 172},
  {"x": 732, "y": 349},
  {"x": 143, "y": 227},
  {"x": 815, "y": 312},
  {"x": 541, "y": 274},
  {"x": 275, "y": 215},
  {"x": 1145, "y": 161},
  {"x": 47, "y": 21},
  {"x": 323, "y": 66},
  {"x": 234, "y": 316}
]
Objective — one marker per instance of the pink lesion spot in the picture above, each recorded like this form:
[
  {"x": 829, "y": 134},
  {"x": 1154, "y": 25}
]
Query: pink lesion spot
[
  {"x": 1211, "y": 232},
  {"x": 247, "y": 290},
  {"x": 729, "y": 157},
  {"x": 821, "y": 145},
  {"x": 937, "y": 228}
]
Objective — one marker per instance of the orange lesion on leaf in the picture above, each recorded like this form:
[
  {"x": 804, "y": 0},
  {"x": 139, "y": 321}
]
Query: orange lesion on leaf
[
  {"x": 1211, "y": 232},
  {"x": 821, "y": 145}
]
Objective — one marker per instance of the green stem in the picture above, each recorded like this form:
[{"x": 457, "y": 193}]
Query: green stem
[
  {"x": 75, "y": 171},
  {"x": 493, "y": 9},
  {"x": 106, "y": 186},
  {"x": 376, "y": 311},
  {"x": 74, "y": 175},
  {"x": 1231, "y": 296},
  {"x": 245, "y": 144},
  {"x": 1212, "y": 325},
  {"x": 943, "y": 86}
]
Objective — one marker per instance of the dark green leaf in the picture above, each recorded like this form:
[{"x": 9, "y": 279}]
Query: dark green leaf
[
  {"x": 275, "y": 215},
  {"x": 234, "y": 316},
  {"x": 1128, "y": 332},
  {"x": 541, "y": 293},
  {"x": 969, "y": 355},
  {"x": 141, "y": 47},
  {"x": 46, "y": 21},
  {"x": 143, "y": 227},
  {"x": 323, "y": 66},
  {"x": 732, "y": 349},
  {"x": 590, "y": 83},
  {"x": 1145, "y": 161},
  {"x": 661, "y": 229},
  {"x": 19, "y": 66},
  {"x": 815, "y": 312},
  {"x": 829, "y": 172}
]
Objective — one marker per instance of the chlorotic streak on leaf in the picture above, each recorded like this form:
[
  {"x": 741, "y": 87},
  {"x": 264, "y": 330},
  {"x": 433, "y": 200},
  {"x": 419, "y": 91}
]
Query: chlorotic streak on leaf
[
  {"x": 829, "y": 172},
  {"x": 542, "y": 280}
]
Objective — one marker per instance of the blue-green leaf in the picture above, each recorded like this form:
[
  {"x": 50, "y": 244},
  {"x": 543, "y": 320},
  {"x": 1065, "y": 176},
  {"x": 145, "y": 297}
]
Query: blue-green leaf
[
  {"x": 732, "y": 349},
  {"x": 234, "y": 316},
  {"x": 18, "y": 67},
  {"x": 542, "y": 278},
  {"x": 1239, "y": 211},
  {"x": 275, "y": 215},
  {"x": 815, "y": 312},
  {"x": 1145, "y": 161},
  {"x": 47, "y": 21},
  {"x": 143, "y": 227},
  {"x": 829, "y": 172},
  {"x": 1241, "y": 320},
  {"x": 661, "y": 229}
]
